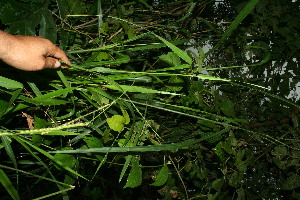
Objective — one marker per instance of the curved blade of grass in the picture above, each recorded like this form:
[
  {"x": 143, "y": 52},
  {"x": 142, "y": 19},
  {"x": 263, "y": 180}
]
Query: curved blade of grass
[
  {"x": 34, "y": 175},
  {"x": 10, "y": 84},
  {"x": 15, "y": 94},
  {"x": 112, "y": 45},
  {"x": 241, "y": 16},
  {"x": 34, "y": 88},
  {"x": 8, "y": 185},
  {"x": 55, "y": 193},
  {"x": 45, "y": 102},
  {"x": 40, "y": 177},
  {"x": 55, "y": 93},
  {"x": 266, "y": 59},
  {"x": 176, "y": 50},
  {"x": 189, "y": 12},
  {"x": 50, "y": 157},
  {"x": 142, "y": 47},
  {"x": 9, "y": 150}
]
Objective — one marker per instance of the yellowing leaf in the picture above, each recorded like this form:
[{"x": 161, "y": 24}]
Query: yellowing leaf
[
  {"x": 125, "y": 115},
  {"x": 116, "y": 123}
]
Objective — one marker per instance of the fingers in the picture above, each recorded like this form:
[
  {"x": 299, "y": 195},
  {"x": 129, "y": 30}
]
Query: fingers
[
  {"x": 51, "y": 63},
  {"x": 59, "y": 54},
  {"x": 31, "y": 53}
]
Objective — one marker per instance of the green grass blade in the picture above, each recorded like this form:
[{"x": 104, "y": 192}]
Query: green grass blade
[
  {"x": 55, "y": 193},
  {"x": 10, "y": 84},
  {"x": 162, "y": 147},
  {"x": 15, "y": 94},
  {"x": 9, "y": 150},
  {"x": 51, "y": 157},
  {"x": 55, "y": 93},
  {"x": 129, "y": 88},
  {"x": 246, "y": 11},
  {"x": 126, "y": 164},
  {"x": 35, "y": 89},
  {"x": 189, "y": 12},
  {"x": 176, "y": 50},
  {"x": 8, "y": 185},
  {"x": 45, "y": 102}
]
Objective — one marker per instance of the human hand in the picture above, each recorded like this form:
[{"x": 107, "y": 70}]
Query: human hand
[{"x": 30, "y": 53}]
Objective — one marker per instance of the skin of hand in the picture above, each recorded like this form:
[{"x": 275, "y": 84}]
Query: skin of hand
[{"x": 30, "y": 53}]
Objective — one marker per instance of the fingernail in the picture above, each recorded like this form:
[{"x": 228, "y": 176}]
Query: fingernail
[{"x": 57, "y": 64}]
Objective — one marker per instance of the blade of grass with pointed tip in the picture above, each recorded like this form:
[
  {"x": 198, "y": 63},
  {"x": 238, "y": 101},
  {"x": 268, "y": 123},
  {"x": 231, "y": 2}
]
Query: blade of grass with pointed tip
[
  {"x": 241, "y": 16},
  {"x": 9, "y": 150},
  {"x": 10, "y": 84},
  {"x": 15, "y": 94},
  {"x": 50, "y": 157},
  {"x": 130, "y": 88},
  {"x": 126, "y": 164},
  {"x": 8, "y": 185},
  {"x": 176, "y": 50}
]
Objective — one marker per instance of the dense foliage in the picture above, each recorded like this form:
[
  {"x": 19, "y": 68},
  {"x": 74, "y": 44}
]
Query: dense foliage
[{"x": 164, "y": 100}]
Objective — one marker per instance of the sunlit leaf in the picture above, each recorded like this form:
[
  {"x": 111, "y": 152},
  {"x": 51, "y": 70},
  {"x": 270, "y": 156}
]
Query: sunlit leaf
[{"x": 116, "y": 123}]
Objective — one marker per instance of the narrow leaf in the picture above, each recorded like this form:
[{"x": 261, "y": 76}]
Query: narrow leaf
[
  {"x": 8, "y": 185},
  {"x": 176, "y": 50},
  {"x": 246, "y": 11},
  {"x": 10, "y": 84},
  {"x": 126, "y": 164}
]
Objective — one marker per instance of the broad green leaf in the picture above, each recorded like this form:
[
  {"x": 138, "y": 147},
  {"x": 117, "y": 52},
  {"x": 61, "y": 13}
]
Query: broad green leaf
[
  {"x": 10, "y": 84},
  {"x": 8, "y": 185},
  {"x": 171, "y": 58},
  {"x": 162, "y": 176},
  {"x": 292, "y": 182},
  {"x": 176, "y": 83},
  {"x": 125, "y": 143},
  {"x": 67, "y": 159},
  {"x": 27, "y": 21},
  {"x": 101, "y": 56},
  {"x": 116, "y": 123},
  {"x": 227, "y": 107},
  {"x": 241, "y": 194},
  {"x": 135, "y": 176},
  {"x": 217, "y": 184},
  {"x": 93, "y": 142}
]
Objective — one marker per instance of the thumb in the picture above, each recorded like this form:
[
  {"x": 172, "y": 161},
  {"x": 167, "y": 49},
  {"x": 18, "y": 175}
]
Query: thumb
[{"x": 51, "y": 63}]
